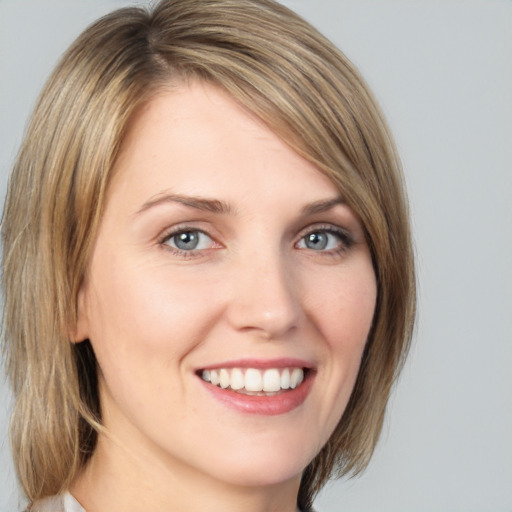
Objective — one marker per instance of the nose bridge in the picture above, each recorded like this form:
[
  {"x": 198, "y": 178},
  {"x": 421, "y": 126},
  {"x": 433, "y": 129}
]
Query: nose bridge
[{"x": 264, "y": 295}]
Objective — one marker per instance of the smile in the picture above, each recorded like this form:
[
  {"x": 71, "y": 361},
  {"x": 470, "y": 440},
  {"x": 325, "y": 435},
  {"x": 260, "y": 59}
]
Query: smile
[
  {"x": 263, "y": 387},
  {"x": 253, "y": 380}
]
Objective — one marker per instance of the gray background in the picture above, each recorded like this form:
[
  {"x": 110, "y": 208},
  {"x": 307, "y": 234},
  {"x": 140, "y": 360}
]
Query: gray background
[{"x": 442, "y": 71}]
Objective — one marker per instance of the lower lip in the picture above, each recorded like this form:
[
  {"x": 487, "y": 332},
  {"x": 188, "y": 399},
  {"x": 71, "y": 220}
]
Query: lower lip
[{"x": 272, "y": 405}]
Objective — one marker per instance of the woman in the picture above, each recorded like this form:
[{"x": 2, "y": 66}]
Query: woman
[{"x": 208, "y": 272}]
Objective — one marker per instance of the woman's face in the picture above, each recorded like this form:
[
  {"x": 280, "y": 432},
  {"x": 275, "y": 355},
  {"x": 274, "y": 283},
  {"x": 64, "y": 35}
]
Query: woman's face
[{"x": 225, "y": 263}]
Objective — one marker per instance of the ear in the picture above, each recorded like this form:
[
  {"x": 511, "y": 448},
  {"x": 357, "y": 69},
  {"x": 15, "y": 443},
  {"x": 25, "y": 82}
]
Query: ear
[{"x": 80, "y": 331}]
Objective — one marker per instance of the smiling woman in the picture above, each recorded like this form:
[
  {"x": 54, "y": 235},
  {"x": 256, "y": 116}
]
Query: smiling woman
[
  {"x": 207, "y": 266},
  {"x": 196, "y": 314}
]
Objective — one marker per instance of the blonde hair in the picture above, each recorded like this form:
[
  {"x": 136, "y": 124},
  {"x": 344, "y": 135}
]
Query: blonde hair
[{"x": 296, "y": 81}]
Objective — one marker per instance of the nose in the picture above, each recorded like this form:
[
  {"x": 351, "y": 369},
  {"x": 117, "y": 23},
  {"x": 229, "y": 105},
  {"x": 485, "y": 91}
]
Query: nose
[{"x": 264, "y": 296}]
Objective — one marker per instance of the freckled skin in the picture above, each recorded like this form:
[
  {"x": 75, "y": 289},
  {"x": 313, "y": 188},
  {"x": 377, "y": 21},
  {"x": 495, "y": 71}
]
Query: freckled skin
[{"x": 253, "y": 288}]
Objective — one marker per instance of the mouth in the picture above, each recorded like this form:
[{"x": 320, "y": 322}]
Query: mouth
[
  {"x": 264, "y": 388},
  {"x": 255, "y": 381}
]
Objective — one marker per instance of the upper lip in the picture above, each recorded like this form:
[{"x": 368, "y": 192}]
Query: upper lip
[{"x": 284, "y": 362}]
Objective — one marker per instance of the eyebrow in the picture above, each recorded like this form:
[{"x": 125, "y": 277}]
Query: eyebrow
[
  {"x": 221, "y": 207},
  {"x": 199, "y": 203},
  {"x": 322, "y": 205}
]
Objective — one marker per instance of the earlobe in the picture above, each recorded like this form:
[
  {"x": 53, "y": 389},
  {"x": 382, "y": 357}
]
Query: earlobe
[{"x": 80, "y": 330}]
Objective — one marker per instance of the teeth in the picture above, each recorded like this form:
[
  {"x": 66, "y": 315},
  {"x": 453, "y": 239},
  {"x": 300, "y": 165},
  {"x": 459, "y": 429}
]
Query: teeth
[
  {"x": 296, "y": 377},
  {"x": 237, "y": 379},
  {"x": 224, "y": 378},
  {"x": 253, "y": 380},
  {"x": 214, "y": 377},
  {"x": 271, "y": 380},
  {"x": 285, "y": 379}
]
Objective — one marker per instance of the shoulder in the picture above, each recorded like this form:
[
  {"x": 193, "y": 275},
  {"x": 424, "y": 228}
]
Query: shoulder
[{"x": 61, "y": 503}]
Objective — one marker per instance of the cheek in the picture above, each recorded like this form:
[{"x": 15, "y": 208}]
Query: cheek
[
  {"x": 144, "y": 312},
  {"x": 347, "y": 309},
  {"x": 345, "y": 319},
  {"x": 343, "y": 315},
  {"x": 140, "y": 328}
]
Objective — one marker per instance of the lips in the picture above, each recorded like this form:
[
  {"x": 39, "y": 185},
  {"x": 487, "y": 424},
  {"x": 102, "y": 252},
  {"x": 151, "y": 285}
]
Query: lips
[{"x": 259, "y": 387}]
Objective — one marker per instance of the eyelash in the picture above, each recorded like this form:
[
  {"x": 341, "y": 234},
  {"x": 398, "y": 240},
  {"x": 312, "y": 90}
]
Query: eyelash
[
  {"x": 345, "y": 239},
  {"x": 194, "y": 253}
]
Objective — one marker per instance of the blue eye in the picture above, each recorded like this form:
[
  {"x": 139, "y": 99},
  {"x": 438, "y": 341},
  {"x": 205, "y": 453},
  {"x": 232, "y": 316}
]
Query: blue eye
[
  {"x": 317, "y": 241},
  {"x": 189, "y": 240},
  {"x": 324, "y": 240}
]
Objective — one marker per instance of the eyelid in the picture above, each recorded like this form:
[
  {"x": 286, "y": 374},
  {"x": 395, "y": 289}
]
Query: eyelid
[
  {"x": 184, "y": 227},
  {"x": 174, "y": 231}
]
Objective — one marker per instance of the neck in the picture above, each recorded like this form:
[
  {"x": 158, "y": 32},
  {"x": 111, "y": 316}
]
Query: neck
[{"x": 120, "y": 479}]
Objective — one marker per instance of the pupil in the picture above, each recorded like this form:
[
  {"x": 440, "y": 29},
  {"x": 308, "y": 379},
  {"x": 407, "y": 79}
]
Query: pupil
[
  {"x": 187, "y": 240},
  {"x": 316, "y": 241}
]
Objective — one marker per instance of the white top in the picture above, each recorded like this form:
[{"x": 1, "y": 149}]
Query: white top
[{"x": 62, "y": 503}]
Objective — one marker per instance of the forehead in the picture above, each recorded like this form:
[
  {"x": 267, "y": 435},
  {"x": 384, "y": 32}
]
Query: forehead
[{"x": 197, "y": 137}]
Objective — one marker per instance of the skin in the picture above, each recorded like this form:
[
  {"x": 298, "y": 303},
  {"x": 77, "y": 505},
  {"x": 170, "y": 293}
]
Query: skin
[{"x": 253, "y": 288}]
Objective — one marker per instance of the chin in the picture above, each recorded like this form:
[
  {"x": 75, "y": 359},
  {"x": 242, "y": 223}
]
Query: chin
[{"x": 266, "y": 466}]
